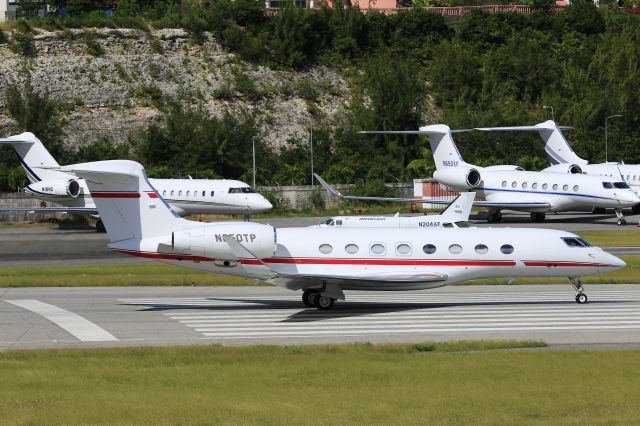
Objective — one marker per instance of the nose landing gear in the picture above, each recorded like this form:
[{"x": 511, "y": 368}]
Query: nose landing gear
[
  {"x": 581, "y": 296},
  {"x": 621, "y": 220}
]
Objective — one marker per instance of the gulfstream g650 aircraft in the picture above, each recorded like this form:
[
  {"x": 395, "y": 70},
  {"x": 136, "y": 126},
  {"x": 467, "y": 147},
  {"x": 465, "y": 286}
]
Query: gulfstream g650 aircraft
[
  {"x": 186, "y": 196},
  {"x": 325, "y": 261},
  {"x": 510, "y": 187}
]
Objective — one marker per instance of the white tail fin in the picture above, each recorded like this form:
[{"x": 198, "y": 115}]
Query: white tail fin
[
  {"x": 129, "y": 206},
  {"x": 460, "y": 208},
  {"x": 445, "y": 152},
  {"x": 34, "y": 157},
  {"x": 555, "y": 144}
]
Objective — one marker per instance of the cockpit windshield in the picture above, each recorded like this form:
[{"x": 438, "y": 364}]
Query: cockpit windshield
[
  {"x": 329, "y": 222},
  {"x": 620, "y": 185},
  {"x": 575, "y": 242},
  {"x": 607, "y": 185}
]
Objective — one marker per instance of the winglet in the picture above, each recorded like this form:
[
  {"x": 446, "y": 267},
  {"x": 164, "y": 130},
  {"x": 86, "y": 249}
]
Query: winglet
[{"x": 328, "y": 187}]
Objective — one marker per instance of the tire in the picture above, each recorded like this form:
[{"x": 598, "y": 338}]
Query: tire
[
  {"x": 621, "y": 222},
  {"x": 324, "y": 302},
  {"x": 306, "y": 298},
  {"x": 581, "y": 298}
]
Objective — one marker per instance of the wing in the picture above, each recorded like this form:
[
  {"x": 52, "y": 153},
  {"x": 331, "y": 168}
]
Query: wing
[{"x": 79, "y": 210}]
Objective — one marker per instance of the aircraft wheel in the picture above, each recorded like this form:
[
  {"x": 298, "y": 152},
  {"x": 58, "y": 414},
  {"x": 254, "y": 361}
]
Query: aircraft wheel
[
  {"x": 100, "y": 227},
  {"x": 581, "y": 298},
  {"x": 324, "y": 302},
  {"x": 307, "y": 298},
  {"x": 622, "y": 222}
]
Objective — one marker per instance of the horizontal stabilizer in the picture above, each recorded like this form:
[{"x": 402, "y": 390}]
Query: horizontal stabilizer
[{"x": 72, "y": 210}]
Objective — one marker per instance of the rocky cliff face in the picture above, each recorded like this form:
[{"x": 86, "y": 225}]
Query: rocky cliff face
[{"x": 111, "y": 84}]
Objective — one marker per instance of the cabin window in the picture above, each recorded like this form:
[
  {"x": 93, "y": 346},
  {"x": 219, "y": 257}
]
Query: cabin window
[
  {"x": 164, "y": 192},
  {"x": 628, "y": 176},
  {"x": 403, "y": 249},
  {"x": 545, "y": 186},
  {"x": 506, "y": 249},
  {"x": 212, "y": 193},
  {"x": 339, "y": 222},
  {"x": 351, "y": 248},
  {"x": 447, "y": 225},
  {"x": 203, "y": 193},
  {"x": 565, "y": 187},
  {"x": 378, "y": 249},
  {"x": 504, "y": 183},
  {"x": 514, "y": 184},
  {"x": 455, "y": 249},
  {"x": 534, "y": 185},
  {"x": 607, "y": 185},
  {"x": 172, "y": 192},
  {"x": 188, "y": 193},
  {"x": 575, "y": 188},
  {"x": 325, "y": 248},
  {"x": 429, "y": 248},
  {"x": 180, "y": 193},
  {"x": 481, "y": 249},
  {"x": 524, "y": 185},
  {"x": 555, "y": 187}
]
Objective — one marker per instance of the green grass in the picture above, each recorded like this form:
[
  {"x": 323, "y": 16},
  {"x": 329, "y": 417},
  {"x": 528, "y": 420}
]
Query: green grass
[
  {"x": 156, "y": 274},
  {"x": 346, "y": 384},
  {"x": 626, "y": 237},
  {"x": 151, "y": 274}
]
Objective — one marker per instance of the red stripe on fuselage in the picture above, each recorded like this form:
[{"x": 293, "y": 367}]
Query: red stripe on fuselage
[
  {"x": 152, "y": 195},
  {"x": 555, "y": 264},
  {"x": 115, "y": 194}
]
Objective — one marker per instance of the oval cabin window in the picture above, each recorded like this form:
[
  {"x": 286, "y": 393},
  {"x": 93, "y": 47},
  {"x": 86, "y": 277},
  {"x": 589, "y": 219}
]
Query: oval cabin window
[
  {"x": 506, "y": 249},
  {"x": 351, "y": 248},
  {"x": 325, "y": 248},
  {"x": 481, "y": 249},
  {"x": 429, "y": 248},
  {"x": 455, "y": 249},
  {"x": 378, "y": 249},
  {"x": 403, "y": 248}
]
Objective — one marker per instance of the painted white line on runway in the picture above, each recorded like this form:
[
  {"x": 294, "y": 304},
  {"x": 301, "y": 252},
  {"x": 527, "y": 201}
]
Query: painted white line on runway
[{"x": 79, "y": 327}]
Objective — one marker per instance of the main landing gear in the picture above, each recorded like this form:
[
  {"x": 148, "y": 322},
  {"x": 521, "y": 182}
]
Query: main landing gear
[
  {"x": 315, "y": 299},
  {"x": 100, "y": 227},
  {"x": 495, "y": 216},
  {"x": 581, "y": 296},
  {"x": 621, "y": 220}
]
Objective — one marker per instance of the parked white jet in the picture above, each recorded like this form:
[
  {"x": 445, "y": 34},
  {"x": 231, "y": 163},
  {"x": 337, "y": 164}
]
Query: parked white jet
[
  {"x": 564, "y": 160},
  {"x": 510, "y": 187},
  {"x": 325, "y": 261},
  {"x": 454, "y": 216},
  {"x": 186, "y": 196}
]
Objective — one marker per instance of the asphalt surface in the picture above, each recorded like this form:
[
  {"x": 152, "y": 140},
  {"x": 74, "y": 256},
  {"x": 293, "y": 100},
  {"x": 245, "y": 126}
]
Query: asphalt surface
[
  {"x": 42, "y": 246},
  {"x": 109, "y": 317}
]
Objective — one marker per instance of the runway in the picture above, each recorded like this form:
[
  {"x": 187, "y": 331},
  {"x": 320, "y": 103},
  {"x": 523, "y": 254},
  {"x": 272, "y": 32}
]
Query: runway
[{"x": 107, "y": 317}]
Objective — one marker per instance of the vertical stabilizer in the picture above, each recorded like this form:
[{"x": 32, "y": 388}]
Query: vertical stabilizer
[
  {"x": 129, "y": 206},
  {"x": 445, "y": 152},
  {"x": 460, "y": 208},
  {"x": 556, "y": 145},
  {"x": 34, "y": 157}
]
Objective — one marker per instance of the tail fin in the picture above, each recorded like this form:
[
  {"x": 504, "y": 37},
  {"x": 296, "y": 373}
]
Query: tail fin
[
  {"x": 129, "y": 206},
  {"x": 445, "y": 152},
  {"x": 460, "y": 208},
  {"x": 557, "y": 147},
  {"x": 34, "y": 157}
]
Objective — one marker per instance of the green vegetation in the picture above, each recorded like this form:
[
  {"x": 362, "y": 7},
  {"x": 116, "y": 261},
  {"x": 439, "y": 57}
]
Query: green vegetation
[
  {"x": 274, "y": 385},
  {"x": 617, "y": 238},
  {"x": 151, "y": 274}
]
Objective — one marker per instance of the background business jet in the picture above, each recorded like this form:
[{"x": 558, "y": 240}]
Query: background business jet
[
  {"x": 186, "y": 196},
  {"x": 510, "y": 187},
  {"x": 323, "y": 262},
  {"x": 564, "y": 160}
]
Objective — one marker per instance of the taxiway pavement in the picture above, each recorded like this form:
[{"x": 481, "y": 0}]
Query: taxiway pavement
[{"x": 107, "y": 317}]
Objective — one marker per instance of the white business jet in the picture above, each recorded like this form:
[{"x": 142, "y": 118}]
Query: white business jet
[
  {"x": 186, "y": 196},
  {"x": 456, "y": 215},
  {"x": 510, "y": 187},
  {"x": 325, "y": 261},
  {"x": 564, "y": 160}
]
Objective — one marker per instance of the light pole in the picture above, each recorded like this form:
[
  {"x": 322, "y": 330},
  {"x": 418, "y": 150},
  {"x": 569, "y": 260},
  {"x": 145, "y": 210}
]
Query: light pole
[
  {"x": 253, "y": 144},
  {"x": 553, "y": 116},
  {"x": 606, "y": 143},
  {"x": 311, "y": 143}
]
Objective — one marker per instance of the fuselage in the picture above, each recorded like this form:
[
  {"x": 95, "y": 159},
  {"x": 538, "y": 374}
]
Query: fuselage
[
  {"x": 629, "y": 173},
  {"x": 458, "y": 254},
  {"x": 563, "y": 191},
  {"x": 419, "y": 222}
]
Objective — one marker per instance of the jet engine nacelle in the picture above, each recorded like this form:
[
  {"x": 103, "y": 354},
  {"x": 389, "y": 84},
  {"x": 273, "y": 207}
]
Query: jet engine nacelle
[
  {"x": 458, "y": 178},
  {"x": 207, "y": 240},
  {"x": 564, "y": 168},
  {"x": 504, "y": 168},
  {"x": 57, "y": 187}
]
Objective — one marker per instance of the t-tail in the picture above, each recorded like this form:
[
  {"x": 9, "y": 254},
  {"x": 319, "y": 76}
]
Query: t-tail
[
  {"x": 555, "y": 144},
  {"x": 129, "y": 206},
  {"x": 34, "y": 157},
  {"x": 445, "y": 152}
]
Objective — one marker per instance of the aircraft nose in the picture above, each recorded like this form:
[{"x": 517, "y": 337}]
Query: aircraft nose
[
  {"x": 613, "y": 261},
  {"x": 260, "y": 204}
]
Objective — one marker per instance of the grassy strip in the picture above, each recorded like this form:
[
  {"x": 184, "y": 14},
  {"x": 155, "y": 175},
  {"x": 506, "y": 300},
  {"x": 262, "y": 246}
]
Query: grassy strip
[
  {"x": 155, "y": 274},
  {"x": 626, "y": 237},
  {"x": 346, "y": 384}
]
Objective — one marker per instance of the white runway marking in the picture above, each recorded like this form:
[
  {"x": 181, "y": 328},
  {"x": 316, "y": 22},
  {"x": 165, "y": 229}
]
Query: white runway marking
[
  {"x": 81, "y": 328},
  {"x": 392, "y": 314}
]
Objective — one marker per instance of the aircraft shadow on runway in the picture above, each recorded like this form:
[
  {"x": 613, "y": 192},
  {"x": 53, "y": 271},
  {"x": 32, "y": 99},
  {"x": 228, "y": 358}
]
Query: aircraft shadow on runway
[{"x": 341, "y": 309}]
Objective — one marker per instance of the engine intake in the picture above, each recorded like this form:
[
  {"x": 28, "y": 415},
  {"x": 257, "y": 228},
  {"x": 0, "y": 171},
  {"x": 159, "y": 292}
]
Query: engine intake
[
  {"x": 574, "y": 169},
  {"x": 207, "y": 240},
  {"x": 458, "y": 178},
  {"x": 56, "y": 187}
]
